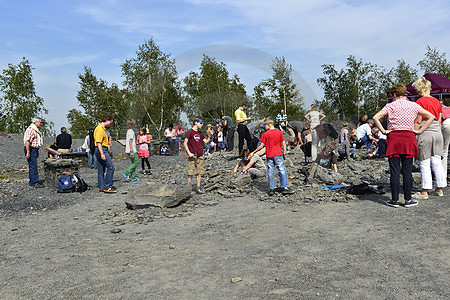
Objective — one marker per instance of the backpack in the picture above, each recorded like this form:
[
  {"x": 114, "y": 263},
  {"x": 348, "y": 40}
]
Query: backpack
[
  {"x": 164, "y": 150},
  {"x": 66, "y": 184},
  {"x": 91, "y": 140},
  {"x": 80, "y": 185}
]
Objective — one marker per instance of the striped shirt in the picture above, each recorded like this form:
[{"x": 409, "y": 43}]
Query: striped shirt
[{"x": 401, "y": 114}]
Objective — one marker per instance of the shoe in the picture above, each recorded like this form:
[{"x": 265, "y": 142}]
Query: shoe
[
  {"x": 271, "y": 192},
  {"x": 410, "y": 203},
  {"x": 199, "y": 191},
  {"x": 134, "y": 179},
  {"x": 143, "y": 172},
  {"x": 392, "y": 203},
  {"x": 148, "y": 172},
  {"x": 126, "y": 177},
  {"x": 420, "y": 196},
  {"x": 108, "y": 190},
  {"x": 287, "y": 191},
  {"x": 439, "y": 194}
]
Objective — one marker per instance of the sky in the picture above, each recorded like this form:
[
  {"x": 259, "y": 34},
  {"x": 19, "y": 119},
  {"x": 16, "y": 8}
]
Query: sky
[{"x": 59, "y": 37}]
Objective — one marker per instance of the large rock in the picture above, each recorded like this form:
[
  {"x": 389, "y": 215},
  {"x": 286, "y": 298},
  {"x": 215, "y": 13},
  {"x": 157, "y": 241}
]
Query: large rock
[
  {"x": 242, "y": 180},
  {"x": 163, "y": 196},
  {"x": 328, "y": 176}
]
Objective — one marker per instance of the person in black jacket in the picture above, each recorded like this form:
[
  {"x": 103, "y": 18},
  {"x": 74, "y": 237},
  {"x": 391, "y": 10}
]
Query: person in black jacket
[{"x": 64, "y": 141}]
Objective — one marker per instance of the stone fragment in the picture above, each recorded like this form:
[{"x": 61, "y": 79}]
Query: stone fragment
[
  {"x": 226, "y": 194},
  {"x": 236, "y": 279},
  {"x": 116, "y": 230},
  {"x": 242, "y": 180},
  {"x": 162, "y": 196}
]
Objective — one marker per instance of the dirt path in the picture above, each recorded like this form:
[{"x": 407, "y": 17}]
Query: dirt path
[{"x": 357, "y": 250}]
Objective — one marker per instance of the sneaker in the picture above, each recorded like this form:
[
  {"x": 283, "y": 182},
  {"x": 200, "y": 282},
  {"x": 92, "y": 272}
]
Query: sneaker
[
  {"x": 199, "y": 191},
  {"x": 420, "y": 196},
  {"x": 148, "y": 172},
  {"x": 125, "y": 177},
  {"x": 108, "y": 190},
  {"x": 287, "y": 191},
  {"x": 134, "y": 179},
  {"x": 439, "y": 194},
  {"x": 271, "y": 192},
  {"x": 143, "y": 172},
  {"x": 410, "y": 203},
  {"x": 392, "y": 203}
]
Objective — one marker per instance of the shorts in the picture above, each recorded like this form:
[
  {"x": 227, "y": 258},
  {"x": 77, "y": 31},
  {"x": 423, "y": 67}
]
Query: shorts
[{"x": 196, "y": 166}]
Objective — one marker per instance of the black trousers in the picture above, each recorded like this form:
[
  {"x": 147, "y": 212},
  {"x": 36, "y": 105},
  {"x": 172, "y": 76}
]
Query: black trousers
[
  {"x": 406, "y": 170},
  {"x": 144, "y": 160},
  {"x": 244, "y": 134},
  {"x": 230, "y": 139}
]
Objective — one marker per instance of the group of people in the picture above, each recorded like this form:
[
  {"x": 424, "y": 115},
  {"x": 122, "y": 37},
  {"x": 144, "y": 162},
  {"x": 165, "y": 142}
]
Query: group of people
[{"x": 416, "y": 130}]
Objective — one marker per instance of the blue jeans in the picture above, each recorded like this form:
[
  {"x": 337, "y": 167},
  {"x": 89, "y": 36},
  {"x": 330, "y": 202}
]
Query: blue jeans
[
  {"x": 33, "y": 174},
  {"x": 92, "y": 160},
  {"x": 364, "y": 140},
  {"x": 277, "y": 161},
  {"x": 102, "y": 166}
]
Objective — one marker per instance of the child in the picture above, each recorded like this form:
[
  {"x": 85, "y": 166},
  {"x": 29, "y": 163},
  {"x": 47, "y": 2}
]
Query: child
[
  {"x": 254, "y": 166},
  {"x": 220, "y": 140},
  {"x": 143, "y": 140},
  {"x": 130, "y": 149},
  {"x": 327, "y": 158},
  {"x": 194, "y": 149},
  {"x": 273, "y": 140}
]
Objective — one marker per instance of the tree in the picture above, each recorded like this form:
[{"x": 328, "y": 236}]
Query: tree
[
  {"x": 212, "y": 92},
  {"x": 278, "y": 92},
  {"x": 97, "y": 100},
  {"x": 358, "y": 89},
  {"x": 403, "y": 73},
  {"x": 152, "y": 86},
  {"x": 435, "y": 62},
  {"x": 19, "y": 102}
]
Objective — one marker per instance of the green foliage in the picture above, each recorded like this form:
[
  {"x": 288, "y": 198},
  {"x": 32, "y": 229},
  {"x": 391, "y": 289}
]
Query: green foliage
[
  {"x": 19, "y": 102},
  {"x": 152, "y": 87},
  {"x": 435, "y": 62},
  {"x": 212, "y": 92},
  {"x": 403, "y": 73},
  {"x": 278, "y": 92},
  {"x": 97, "y": 100}
]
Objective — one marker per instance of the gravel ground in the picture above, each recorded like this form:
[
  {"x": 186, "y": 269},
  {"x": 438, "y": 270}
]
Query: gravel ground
[{"x": 313, "y": 244}]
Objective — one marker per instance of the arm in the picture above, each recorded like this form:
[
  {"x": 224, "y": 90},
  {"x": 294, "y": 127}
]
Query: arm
[
  {"x": 283, "y": 143},
  {"x": 248, "y": 166},
  {"x": 334, "y": 167},
  {"x": 236, "y": 168},
  {"x": 257, "y": 150},
  {"x": 28, "y": 147},
  {"x": 100, "y": 150},
  {"x": 130, "y": 142},
  {"x": 424, "y": 113},
  {"x": 185, "y": 144},
  {"x": 379, "y": 115},
  {"x": 307, "y": 117},
  {"x": 322, "y": 116}
]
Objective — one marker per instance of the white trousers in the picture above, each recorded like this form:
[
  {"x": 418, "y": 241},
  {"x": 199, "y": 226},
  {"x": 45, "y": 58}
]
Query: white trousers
[
  {"x": 438, "y": 170},
  {"x": 446, "y": 135},
  {"x": 314, "y": 144}
]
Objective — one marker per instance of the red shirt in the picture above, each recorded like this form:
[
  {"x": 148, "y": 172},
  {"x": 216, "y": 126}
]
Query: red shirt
[
  {"x": 432, "y": 105},
  {"x": 195, "y": 142},
  {"x": 273, "y": 139}
]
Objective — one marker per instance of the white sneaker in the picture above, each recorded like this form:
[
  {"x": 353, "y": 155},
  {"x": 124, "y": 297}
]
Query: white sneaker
[
  {"x": 421, "y": 196},
  {"x": 439, "y": 194}
]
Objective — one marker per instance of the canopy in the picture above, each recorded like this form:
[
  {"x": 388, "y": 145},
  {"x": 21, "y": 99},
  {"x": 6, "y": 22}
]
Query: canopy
[{"x": 440, "y": 87}]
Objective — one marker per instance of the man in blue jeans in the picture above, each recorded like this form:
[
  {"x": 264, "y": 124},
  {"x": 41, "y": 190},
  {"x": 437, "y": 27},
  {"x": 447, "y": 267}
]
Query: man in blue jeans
[
  {"x": 104, "y": 161},
  {"x": 32, "y": 141},
  {"x": 273, "y": 140}
]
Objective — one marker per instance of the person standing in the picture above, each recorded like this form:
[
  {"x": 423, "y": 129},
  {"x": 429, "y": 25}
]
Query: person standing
[
  {"x": 242, "y": 120},
  {"x": 446, "y": 136},
  {"x": 401, "y": 141},
  {"x": 282, "y": 120},
  {"x": 273, "y": 140},
  {"x": 64, "y": 141},
  {"x": 130, "y": 149},
  {"x": 314, "y": 118},
  {"x": 194, "y": 149},
  {"x": 228, "y": 131},
  {"x": 32, "y": 141},
  {"x": 144, "y": 140},
  {"x": 104, "y": 161},
  {"x": 431, "y": 142}
]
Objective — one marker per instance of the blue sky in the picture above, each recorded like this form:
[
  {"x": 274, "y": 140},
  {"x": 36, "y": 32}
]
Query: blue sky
[{"x": 60, "y": 37}]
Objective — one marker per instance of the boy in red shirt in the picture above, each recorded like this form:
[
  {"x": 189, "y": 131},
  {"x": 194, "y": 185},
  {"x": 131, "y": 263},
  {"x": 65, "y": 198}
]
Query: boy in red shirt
[
  {"x": 273, "y": 140},
  {"x": 194, "y": 149}
]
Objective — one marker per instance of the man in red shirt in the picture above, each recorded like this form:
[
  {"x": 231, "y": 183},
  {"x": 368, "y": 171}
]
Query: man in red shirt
[
  {"x": 193, "y": 143},
  {"x": 273, "y": 140}
]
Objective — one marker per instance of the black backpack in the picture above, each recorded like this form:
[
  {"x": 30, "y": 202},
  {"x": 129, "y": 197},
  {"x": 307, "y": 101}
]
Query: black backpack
[
  {"x": 91, "y": 140},
  {"x": 80, "y": 185}
]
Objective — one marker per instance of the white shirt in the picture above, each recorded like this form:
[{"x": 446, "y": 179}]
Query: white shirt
[
  {"x": 220, "y": 136},
  {"x": 130, "y": 136},
  {"x": 314, "y": 119},
  {"x": 170, "y": 133},
  {"x": 363, "y": 130},
  {"x": 85, "y": 145}
]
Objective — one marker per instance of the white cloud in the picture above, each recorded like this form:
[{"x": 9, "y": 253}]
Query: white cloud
[{"x": 62, "y": 61}]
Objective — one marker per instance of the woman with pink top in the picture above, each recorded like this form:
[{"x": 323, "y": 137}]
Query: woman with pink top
[
  {"x": 143, "y": 140},
  {"x": 401, "y": 141}
]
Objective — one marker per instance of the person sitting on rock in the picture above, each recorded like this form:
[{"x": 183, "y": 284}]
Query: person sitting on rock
[
  {"x": 254, "y": 166},
  {"x": 380, "y": 150},
  {"x": 346, "y": 148},
  {"x": 327, "y": 158},
  {"x": 364, "y": 134}
]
